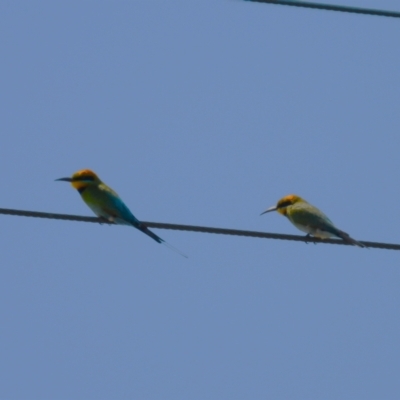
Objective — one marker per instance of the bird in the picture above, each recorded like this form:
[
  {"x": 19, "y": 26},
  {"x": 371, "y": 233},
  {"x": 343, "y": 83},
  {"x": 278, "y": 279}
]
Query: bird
[
  {"x": 106, "y": 203},
  {"x": 309, "y": 219}
]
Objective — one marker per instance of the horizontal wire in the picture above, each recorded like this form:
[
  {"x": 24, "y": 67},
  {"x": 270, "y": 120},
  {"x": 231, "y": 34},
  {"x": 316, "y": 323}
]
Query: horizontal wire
[
  {"x": 332, "y": 7},
  {"x": 193, "y": 228}
]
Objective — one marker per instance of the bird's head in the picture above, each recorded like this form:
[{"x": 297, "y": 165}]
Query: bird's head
[
  {"x": 284, "y": 203},
  {"x": 82, "y": 179}
]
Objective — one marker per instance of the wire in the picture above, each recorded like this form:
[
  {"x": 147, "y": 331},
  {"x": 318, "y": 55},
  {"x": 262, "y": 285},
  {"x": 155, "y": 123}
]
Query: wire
[
  {"x": 331, "y": 7},
  {"x": 193, "y": 228}
]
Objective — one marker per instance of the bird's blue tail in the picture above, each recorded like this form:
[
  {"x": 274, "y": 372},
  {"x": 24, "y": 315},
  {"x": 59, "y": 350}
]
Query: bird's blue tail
[
  {"x": 148, "y": 232},
  {"x": 346, "y": 237}
]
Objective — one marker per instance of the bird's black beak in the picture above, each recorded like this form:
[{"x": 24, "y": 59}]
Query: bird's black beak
[
  {"x": 274, "y": 208},
  {"x": 64, "y": 179}
]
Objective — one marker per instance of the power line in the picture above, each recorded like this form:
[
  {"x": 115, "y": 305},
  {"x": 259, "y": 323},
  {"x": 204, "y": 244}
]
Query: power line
[
  {"x": 331, "y": 7},
  {"x": 193, "y": 228}
]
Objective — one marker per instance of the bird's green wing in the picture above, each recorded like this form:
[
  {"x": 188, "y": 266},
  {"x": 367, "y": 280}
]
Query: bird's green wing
[
  {"x": 107, "y": 190},
  {"x": 308, "y": 215}
]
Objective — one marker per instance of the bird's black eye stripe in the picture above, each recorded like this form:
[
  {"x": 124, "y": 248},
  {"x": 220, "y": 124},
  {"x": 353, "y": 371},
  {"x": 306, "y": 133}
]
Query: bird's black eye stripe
[
  {"x": 285, "y": 204},
  {"x": 83, "y": 178}
]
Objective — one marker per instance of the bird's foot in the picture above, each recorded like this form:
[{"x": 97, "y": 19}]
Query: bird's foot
[
  {"x": 308, "y": 236},
  {"x": 104, "y": 220}
]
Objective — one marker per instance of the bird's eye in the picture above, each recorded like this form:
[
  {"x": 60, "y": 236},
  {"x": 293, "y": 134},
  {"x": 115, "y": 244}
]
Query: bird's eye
[
  {"x": 285, "y": 204},
  {"x": 84, "y": 178}
]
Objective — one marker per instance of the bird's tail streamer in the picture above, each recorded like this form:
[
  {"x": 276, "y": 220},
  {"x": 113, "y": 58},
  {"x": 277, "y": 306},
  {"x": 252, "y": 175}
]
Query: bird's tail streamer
[
  {"x": 147, "y": 231},
  {"x": 173, "y": 248}
]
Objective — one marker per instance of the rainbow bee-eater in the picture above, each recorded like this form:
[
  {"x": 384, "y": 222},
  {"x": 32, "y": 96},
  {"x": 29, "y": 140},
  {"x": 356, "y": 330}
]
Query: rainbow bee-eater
[
  {"x": 106, "y": 203},
  {"x": 309, "y": 219}
]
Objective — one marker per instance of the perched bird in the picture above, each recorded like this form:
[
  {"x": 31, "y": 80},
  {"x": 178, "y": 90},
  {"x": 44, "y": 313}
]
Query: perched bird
[
  {"x": 309, "y": 219},
  {"x": 106, "y": 203}
]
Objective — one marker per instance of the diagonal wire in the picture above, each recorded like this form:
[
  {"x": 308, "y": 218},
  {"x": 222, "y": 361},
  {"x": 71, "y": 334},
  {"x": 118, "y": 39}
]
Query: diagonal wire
[
  {"x": 332, "y": 7},
  {"x": 194, "y": 228}
]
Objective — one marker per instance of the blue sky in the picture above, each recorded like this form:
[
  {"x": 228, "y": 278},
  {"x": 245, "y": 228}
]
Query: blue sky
[{"x": 205, "y": 113}]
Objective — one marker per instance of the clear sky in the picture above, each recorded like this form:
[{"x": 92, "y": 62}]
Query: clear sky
[{"x": 199, "y": 112}]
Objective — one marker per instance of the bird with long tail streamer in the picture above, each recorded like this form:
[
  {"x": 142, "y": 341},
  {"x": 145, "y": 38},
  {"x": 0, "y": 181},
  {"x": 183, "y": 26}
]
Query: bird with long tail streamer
[{"x": 107, "y": 205}]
